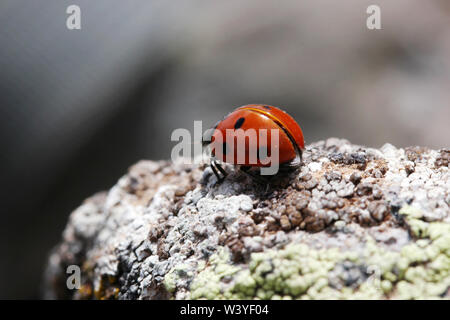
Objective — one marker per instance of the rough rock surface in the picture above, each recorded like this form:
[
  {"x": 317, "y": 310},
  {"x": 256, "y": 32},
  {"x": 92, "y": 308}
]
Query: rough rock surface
[{"x": 354, "y": 222}]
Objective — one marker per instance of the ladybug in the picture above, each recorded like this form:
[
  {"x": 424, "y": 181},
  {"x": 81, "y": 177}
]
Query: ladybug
[{"x": 255, "y": 117}]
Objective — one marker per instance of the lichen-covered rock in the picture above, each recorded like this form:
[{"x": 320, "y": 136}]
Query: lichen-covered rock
[{"x": 354, "y": 222}]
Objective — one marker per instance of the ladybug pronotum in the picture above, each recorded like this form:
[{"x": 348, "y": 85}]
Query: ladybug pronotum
[{"x": 257, "y": 117}]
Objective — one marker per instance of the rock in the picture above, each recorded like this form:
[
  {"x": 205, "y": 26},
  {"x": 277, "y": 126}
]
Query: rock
[{"x": 355, "y": 223}]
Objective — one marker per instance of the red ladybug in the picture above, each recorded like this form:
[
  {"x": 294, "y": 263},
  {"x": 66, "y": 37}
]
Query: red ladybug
[{"x": 256, "y": 116}]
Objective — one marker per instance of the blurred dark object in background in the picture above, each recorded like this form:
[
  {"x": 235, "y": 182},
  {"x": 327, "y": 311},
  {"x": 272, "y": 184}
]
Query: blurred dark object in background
[{"x": 80, "y": 106}]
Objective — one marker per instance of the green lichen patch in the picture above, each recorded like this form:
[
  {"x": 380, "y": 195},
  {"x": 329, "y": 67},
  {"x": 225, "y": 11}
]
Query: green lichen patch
[
  {"x": 208, "y": 284},
  {"x": 420, "y": 270}
]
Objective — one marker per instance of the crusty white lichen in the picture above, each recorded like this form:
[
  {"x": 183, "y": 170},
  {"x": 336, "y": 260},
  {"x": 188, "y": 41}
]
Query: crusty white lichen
[{"x": 354, "y": 222}]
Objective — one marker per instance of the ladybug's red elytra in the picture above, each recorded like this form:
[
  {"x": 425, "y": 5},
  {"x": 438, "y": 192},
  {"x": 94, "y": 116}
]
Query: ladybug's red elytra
[{"x": 257, "y": 116}]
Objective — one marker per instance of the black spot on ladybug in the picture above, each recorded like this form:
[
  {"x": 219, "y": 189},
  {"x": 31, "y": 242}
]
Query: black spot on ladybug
[
  {"x": 239, "y": 123},
  {"x": 266, "y": 107}
]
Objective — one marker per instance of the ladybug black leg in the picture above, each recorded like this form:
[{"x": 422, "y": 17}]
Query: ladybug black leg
[
  {"x": 222, "y": 170},
  {"x": 219, "y": 178},
  {"x": 217, "y": 167}
]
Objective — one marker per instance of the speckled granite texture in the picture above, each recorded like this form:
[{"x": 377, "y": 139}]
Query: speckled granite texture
[{"x": 353, "y": 223}]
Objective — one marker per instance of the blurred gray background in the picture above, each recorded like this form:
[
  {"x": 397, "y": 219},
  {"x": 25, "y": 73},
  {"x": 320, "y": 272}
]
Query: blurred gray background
[{"x": 79, "y": 107}]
